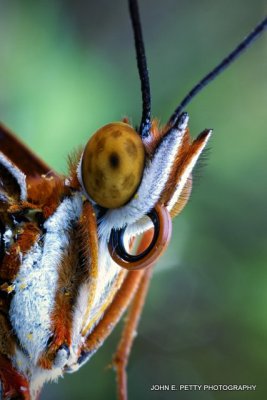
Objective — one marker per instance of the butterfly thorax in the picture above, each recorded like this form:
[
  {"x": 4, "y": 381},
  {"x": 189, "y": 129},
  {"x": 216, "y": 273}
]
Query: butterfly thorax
[{"x": 53, "y": 289}]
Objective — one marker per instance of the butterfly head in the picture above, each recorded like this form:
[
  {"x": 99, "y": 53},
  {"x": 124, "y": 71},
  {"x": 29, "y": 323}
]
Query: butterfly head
[{"x": 139, "y": 182}]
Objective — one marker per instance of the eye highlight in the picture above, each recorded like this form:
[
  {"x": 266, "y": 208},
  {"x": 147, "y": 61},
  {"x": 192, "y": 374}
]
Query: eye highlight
[{"x": 112, "y": 165}]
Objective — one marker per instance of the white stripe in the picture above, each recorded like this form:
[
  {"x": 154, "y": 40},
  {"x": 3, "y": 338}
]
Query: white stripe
[
  {"x": 107, "y": 273},
  {"x": 185, "y": 175},
  {"x": 36, "y": 282}
]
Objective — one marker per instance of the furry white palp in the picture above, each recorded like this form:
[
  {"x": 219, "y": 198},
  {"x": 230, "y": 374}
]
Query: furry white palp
[
  {"x": 185, "y": 175},
  {"x": 155, "y": 176}
]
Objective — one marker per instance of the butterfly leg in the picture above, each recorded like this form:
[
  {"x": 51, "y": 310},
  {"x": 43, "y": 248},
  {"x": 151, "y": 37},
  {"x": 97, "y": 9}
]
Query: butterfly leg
[
  {"x": 133, "y": 290},
  {"x": 120, "y": 303},
  {"x": 122, "y": 354}
]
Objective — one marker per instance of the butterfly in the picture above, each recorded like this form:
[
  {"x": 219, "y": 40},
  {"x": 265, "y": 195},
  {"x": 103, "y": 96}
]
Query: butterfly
[{"x": 67, "y": 269}]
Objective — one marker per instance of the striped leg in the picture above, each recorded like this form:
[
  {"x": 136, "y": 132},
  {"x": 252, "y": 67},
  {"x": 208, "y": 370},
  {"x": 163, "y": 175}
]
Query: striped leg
[
  {"x": 113, "y": 314},
  {"x": 120, "y": 303},
  {"x": 122, "y": 354},
  {"x": 133, "y": 290}
]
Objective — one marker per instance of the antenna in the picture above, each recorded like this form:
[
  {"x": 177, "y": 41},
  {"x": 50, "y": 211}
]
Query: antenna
[
  {"x": 142, "y": 69},
  {"x": 218, "y": 69}
]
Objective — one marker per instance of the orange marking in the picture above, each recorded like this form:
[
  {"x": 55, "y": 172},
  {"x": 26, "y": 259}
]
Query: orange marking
[
  {"x": 46, "y": 192},
  {"x": 12, "y": 260},
  {"x": 14, "y": 385},
  {"x": 79, "y": 265},
  {"x": 61, "y": 318}
]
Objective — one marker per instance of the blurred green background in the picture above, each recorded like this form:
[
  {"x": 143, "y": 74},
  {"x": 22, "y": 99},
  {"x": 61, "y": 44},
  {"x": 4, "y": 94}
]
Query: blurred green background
[{"x": 67, "y": 68}]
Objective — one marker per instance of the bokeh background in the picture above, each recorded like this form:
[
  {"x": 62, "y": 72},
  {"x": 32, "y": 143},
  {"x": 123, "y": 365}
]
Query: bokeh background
[{"x": 67, "y": 68}]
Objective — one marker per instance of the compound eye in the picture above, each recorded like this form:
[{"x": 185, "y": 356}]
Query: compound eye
[{"x": 112, "y": 165}]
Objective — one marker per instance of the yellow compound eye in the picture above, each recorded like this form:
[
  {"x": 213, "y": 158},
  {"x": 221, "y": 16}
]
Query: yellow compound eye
[{"x": 113, "y": 164}]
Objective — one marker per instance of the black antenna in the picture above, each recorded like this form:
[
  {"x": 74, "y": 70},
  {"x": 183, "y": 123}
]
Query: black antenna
[
  {"x": 142, "y": 68},
  {"x": 218, "y": 69}
]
